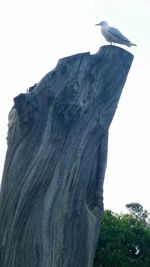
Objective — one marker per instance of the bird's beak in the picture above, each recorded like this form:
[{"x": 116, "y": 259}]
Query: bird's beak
[{"x": 97, "y": 24}]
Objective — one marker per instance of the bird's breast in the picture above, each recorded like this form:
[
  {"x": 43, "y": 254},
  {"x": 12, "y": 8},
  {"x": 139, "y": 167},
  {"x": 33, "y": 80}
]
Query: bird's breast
[{"x": 104, "y": 31}]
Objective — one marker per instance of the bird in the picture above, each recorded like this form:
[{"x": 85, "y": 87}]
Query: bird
[{"x": 113, "y": 35}]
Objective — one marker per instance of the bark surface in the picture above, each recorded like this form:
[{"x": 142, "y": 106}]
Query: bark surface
[{"x": 51, "y": 199}]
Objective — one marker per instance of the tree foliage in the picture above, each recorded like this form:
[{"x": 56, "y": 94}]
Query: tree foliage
[
  {"x": 124, "y": 239},
  {"x": 137, "y": 211}
]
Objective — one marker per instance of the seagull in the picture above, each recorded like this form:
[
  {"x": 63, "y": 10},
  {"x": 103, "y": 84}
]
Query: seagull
[{"x": 113, "y": 35}]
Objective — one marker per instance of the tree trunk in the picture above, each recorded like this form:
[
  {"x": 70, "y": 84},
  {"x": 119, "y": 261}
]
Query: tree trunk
[{"x": 51, "y": 200}]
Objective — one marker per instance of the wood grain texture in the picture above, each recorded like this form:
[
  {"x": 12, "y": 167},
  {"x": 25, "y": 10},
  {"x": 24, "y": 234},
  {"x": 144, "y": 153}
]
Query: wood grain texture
[{"x": 51, "y": 199}]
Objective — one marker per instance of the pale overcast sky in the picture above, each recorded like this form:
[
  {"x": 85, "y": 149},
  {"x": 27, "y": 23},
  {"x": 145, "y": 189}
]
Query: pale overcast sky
[{"x": 35, "y": 34}]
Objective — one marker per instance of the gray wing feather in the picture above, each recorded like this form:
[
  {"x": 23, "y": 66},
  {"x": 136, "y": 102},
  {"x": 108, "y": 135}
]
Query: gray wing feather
[{"x": 114, "y": 32}]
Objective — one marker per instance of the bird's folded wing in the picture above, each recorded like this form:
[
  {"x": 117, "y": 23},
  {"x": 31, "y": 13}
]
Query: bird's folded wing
[{"x": 116, "y": 33}]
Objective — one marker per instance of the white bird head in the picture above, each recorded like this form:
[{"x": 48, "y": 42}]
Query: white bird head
[{"x": 102, "y": 23}]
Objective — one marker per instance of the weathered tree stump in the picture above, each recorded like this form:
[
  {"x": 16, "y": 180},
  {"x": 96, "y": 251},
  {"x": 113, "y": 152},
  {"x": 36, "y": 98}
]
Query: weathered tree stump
[{"x": 51, "y": 199}]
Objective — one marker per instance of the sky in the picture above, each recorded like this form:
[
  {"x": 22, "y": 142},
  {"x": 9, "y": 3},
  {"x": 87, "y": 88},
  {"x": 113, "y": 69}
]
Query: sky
[{"x": 36, "y": 34}]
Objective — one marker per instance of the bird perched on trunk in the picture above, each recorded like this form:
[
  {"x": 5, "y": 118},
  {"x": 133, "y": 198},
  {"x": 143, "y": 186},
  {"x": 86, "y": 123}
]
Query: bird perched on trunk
[{"x": 113, "y": 35}]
